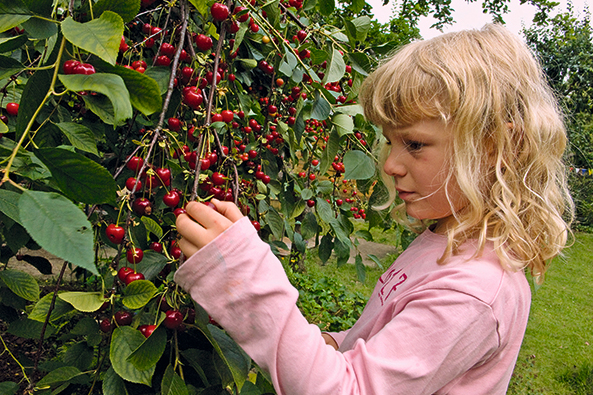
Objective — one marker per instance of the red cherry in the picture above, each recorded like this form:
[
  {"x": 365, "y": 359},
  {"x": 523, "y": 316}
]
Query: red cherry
[
  {"x": 105, "y": 325},
  {"x": 115, "y": 233},
  {"x": 204, "y": 164},
  {"x": 227, "y": 116},
  {"x": 164, "y": 176},
  {"x": 252, "y": 154},
  {"x": 171, "y": 199},
  {"x": 173, "y": 319},
  {"x": 256, "y": 225},
  {"x": 139, "y": 63},
  {"x": 142, "y": 206},
  {"x": 134, "y": 255},
  {"x": 311, "y": 177},
  {"x": 217, "y": 118},
  {"x": 174, "y": 124},
  {"x": 266, "y": 179},
  {"x": 243, "y": 17},
  {"x": 123, "y": 318},
  {"x": 156, "y": 31},
  {"x": 130, "y": 278},
  {"x": 146, "y": 330},
  {"x": 315, "y": 162},
  {"x": 85, "y": 69},
  {"x": 310, "y": 202},
  {"x": 12, "y": 109},
  {"x": 135, "y": 163},
  {"x": 193, "y": 99},
  {"x": 70, "y": 65},
  {"x": 301, "y": 35},
  {"x": 203, "y": 42},
  {"x": 178, "y": 211},
  {"x": 217, "y": 178},
  {"x": 167, "y": 50},
  {"x": 339, "y": 202},
  {"x": 163, "y": 61},
  {"x": 156, "y": 246},
  {"x": 175, "y": 252},
  {"x": 219, "y": 12},
  {"x": 123, "y": 272},
  {"x": 123, "y": 46},
  {"x": 131, "y": 182}
]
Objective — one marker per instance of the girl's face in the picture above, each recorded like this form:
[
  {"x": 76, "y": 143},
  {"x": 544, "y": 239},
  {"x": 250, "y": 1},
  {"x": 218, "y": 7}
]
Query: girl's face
[{"x": 419, "y": 162}]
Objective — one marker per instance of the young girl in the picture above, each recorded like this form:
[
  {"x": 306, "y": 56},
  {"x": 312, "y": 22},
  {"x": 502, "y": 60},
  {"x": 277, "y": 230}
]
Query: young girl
[{"x": 474, "y": 148}]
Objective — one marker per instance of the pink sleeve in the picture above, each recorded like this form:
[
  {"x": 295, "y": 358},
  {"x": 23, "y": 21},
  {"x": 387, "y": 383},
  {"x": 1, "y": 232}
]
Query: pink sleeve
[{"x": 242, "y": 285}]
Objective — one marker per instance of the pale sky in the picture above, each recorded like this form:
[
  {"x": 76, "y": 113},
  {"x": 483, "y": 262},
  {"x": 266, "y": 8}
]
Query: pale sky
[{"x": 469, "y": 15}]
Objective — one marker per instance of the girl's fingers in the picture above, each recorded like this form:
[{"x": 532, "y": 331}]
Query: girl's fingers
[
  {"x": 187, "y": 247},
  {"x": 190, "y": 230},
  {"x": 202, "y": 224},
  {"x": 228, "y": 209}
]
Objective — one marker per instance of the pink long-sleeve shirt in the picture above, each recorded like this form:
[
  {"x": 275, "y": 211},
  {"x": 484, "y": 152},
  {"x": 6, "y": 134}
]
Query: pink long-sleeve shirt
[{"x": 427, "y": 328}]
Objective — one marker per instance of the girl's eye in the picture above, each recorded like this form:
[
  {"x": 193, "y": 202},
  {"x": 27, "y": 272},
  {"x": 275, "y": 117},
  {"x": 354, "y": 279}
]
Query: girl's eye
[{"x": 414, "y": 146}]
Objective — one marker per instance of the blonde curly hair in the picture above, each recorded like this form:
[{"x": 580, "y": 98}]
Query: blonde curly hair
[{"x": 508, "y": 144}]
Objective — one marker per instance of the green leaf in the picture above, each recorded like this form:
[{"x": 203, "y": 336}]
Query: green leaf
[
  {"x": 100, "y": 36},
  {"x": 8, "y": 44},
  {"x": 375, "y": 259},
  {"x": 29, "y": 329},
  {"x": 276, "y": 223},
  {"x": 84, "y": 301},
  {"x": 126, "y": 9},
  {"x": 79, "y": 136},
  {"x": 234, "y": 357},
  {"x": 40, "y": 29},
  {"x": 9, "y": 204},
  {"x": 358, "y": 166},
  {"x": 113, "y": 384},
  {"x": 39, "y": 312},
  {"x": 172, "y": 383},
  {"x": 326, "y": 245},
  {"x": 309, "y": 226},
  {"x": 358, "y": 28},
  {"x": 9, "y": 66},
  {"x": 58, "y": 376},
  {"x": 201, "y": 6},
  {"x": 360, "y": 268},
  {"x": 151, "y": 264},
  {"x": 150, "y": 351},
  {"x": 80, "y": 355},
  {"x": 13, "y": 13},
  {"x": 324, "y": 209},
  {"x": 326, "y": 7},
  {"x": 33, "y": 95},
  {"x": 360, "y": 62},
  {"x": 321, "y": 107},
  {"x": 152, "y": 226},
  {"x": 110, "y": 85},
  {"x": 21, "y": 283},
  {"x": 124, "y": 341},
  {"x": 145, "y": 92},
  {"x": 351, "y": 110},
  {"x": 138, "y": 293},
  {"x": 8, "y": 388},
  {"x": 78, "y": 177},
  {"x": 59, "y": 227},
  {"x": 344, "y": 124},
  {"x": 330, "y": 151},
  {"x": 336, "y": 68}
]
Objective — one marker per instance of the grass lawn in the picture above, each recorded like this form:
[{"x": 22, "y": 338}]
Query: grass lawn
[{"x": 557, "y": 353}]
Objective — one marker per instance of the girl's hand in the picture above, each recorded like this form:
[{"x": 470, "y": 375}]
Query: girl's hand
[{"x": 202, "y": 224}]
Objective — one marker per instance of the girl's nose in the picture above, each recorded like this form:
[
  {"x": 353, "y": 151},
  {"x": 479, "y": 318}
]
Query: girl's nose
[{"x": 394, "y": 166}]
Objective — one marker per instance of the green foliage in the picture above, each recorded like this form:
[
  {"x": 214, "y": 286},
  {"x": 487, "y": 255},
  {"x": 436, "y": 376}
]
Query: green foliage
[
  {"x": 327, "y": 302},
  {"x": 556, "y": 354}
]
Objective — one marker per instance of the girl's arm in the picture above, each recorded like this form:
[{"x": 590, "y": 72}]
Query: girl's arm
[{"x": 241, "y": 284}]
